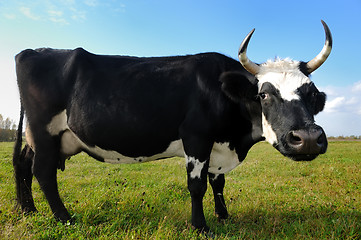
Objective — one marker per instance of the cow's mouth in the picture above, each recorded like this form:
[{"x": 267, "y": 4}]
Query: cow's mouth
[{"x": 303, "y": 157}]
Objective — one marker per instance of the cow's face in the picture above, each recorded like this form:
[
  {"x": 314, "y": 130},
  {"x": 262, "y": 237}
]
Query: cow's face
[{"x": 289, "y": 100}]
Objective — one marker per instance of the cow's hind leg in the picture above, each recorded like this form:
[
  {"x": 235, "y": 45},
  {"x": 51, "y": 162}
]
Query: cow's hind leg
[
  {"x": 23, "y": 180},
  {"x": 217, "y": 182},
  {"x": 45, "y": 165}
]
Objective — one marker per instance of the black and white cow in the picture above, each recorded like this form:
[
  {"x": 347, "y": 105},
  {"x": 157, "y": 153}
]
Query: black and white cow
[{"x": 119, "y": 109}]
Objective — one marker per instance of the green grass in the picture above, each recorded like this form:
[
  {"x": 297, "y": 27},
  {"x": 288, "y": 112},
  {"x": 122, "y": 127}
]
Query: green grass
[{"x": 268, "y": 197}]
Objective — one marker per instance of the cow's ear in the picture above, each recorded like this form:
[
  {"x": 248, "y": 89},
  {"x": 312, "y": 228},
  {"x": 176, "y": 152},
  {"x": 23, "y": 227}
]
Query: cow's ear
[
  {"x": 320, "y": 102},
  {"x": 238, "y": 86}
]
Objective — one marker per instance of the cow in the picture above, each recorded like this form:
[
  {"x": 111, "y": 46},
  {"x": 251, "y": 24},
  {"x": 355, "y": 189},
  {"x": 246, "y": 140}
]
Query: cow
[{"x": 207, "y": 107}]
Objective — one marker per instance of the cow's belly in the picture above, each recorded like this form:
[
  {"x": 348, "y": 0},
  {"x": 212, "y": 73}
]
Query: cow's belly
[
  {"x": 71, "y": 144},
  {"x": 222, "y": 159}
]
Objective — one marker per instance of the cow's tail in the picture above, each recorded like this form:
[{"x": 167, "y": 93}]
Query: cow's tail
[{"x": 17, "y": 153}]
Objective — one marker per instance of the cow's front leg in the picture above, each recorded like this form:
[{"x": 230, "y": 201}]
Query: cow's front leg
[
  {"x": 197, "y": 170},
  {"x": 217, "y": 182}
]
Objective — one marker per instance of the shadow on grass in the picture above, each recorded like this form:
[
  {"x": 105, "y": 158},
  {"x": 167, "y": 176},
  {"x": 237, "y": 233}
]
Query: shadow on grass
[
  {"x": 150, "y": 217},
  {"x": 324, "y": 223}
]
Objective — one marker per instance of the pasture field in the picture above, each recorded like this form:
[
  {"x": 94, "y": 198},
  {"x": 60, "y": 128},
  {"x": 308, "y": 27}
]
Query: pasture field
[{"x": 268, "y": 197}]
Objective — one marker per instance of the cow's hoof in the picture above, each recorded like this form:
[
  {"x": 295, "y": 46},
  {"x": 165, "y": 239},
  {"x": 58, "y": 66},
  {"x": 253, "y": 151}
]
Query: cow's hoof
[
  {"x": 209, "y": 234},
  {"x": 201, "y": 229},
  {"x": 221, "y": 216},
  {"x": 29, "y": 210},
  {"x": 64, "y": 218},
  {"x": 205, "y": 231},
  {"x": 68, "y": 222}
]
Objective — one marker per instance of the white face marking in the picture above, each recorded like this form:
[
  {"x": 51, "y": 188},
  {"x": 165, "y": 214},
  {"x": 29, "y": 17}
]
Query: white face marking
[
  {"x": 284, "y": 75},
  {"x": 197, "y": 166},
  {"x": 268, "y": 132}
]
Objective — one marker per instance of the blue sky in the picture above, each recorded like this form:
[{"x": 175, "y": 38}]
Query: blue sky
[{"x": 165, "y": 27}]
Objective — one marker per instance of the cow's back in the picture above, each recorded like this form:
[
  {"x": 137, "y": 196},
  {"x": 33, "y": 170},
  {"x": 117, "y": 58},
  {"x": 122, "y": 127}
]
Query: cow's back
[{"x": 134, "y": 106}]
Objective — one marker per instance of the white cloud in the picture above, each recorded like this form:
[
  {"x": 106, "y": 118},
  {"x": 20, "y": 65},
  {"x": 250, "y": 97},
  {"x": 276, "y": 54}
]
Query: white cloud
[
  {"x": 356, "y": 87},
  {"x": 352, "y": 100},
  {"x": 59, "y": 12},
  {"x": 28, "y": 13},
  {"x": 55, "y": 13},
  {"x": 9, "y": 16},
  {"x": 346, "y": 99},
  {"x": 120, "y": 8},
  {"x": 329, "y": 90},
  {"x": 334, "y": 105},
  {"x": 67, "y": 2},
  {"x": 78, "y": 15},
  {"x": 56, "y": 16},
  {"x": 58, "y": 20},
  {"x": 91, "y": 3},
  {"x": 340, "y": 123},
  {"x": 342, "y": 113}
]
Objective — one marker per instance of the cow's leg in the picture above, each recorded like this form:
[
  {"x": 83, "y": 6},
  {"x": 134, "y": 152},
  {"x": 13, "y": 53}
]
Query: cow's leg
[
  {"x": 217, "y": 182},
  {"x": 197, "y": 158},
  {"x": 23, "y": 180},
  {"x": 46, "y": 160},
  {"x": 197, "y": 186}
]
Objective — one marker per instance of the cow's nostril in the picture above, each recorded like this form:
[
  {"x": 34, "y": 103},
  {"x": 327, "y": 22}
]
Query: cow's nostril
[
  {"x": 294, "y": 138},
  {"x": 320, "y": 139}
]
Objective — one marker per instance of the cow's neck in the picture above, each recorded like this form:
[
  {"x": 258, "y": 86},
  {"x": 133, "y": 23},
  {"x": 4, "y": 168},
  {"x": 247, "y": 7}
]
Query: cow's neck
[{"x": 256, "y": 134}]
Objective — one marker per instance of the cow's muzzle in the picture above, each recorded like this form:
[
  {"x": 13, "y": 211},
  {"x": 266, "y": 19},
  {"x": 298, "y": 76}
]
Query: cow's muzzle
[{"x": 306, "y": 144}]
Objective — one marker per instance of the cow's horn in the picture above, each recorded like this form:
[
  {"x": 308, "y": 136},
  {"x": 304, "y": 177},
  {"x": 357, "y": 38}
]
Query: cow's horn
[
  {"x": 250, "y": 66},
  {"x": 325, "y": 52}
]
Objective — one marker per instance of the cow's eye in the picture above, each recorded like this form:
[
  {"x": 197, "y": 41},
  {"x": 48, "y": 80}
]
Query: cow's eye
[{"x": 263, "y": 95}]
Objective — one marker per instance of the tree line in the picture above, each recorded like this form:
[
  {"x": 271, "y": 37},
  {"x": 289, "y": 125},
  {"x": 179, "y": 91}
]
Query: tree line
[{"x": 8, "y": 129}]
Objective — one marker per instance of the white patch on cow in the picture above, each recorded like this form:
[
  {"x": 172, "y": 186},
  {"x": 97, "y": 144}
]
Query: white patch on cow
[
  {"x": 284, "y": 75},
  {"x": 71, "y": 145},
  {"x": 58, "y": 124},
  {"x": 175, "y": 148},
  {"x": 268, "y": 132},
  {"x": 222, "y": 159},
  {"x": 197, "y": 166},
  {"x": 215, "y": 177}
]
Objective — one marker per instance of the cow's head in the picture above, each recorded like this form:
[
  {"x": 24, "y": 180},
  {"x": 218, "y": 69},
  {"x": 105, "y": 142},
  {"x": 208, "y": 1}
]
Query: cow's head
[{"x": 289, "y": 101}]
